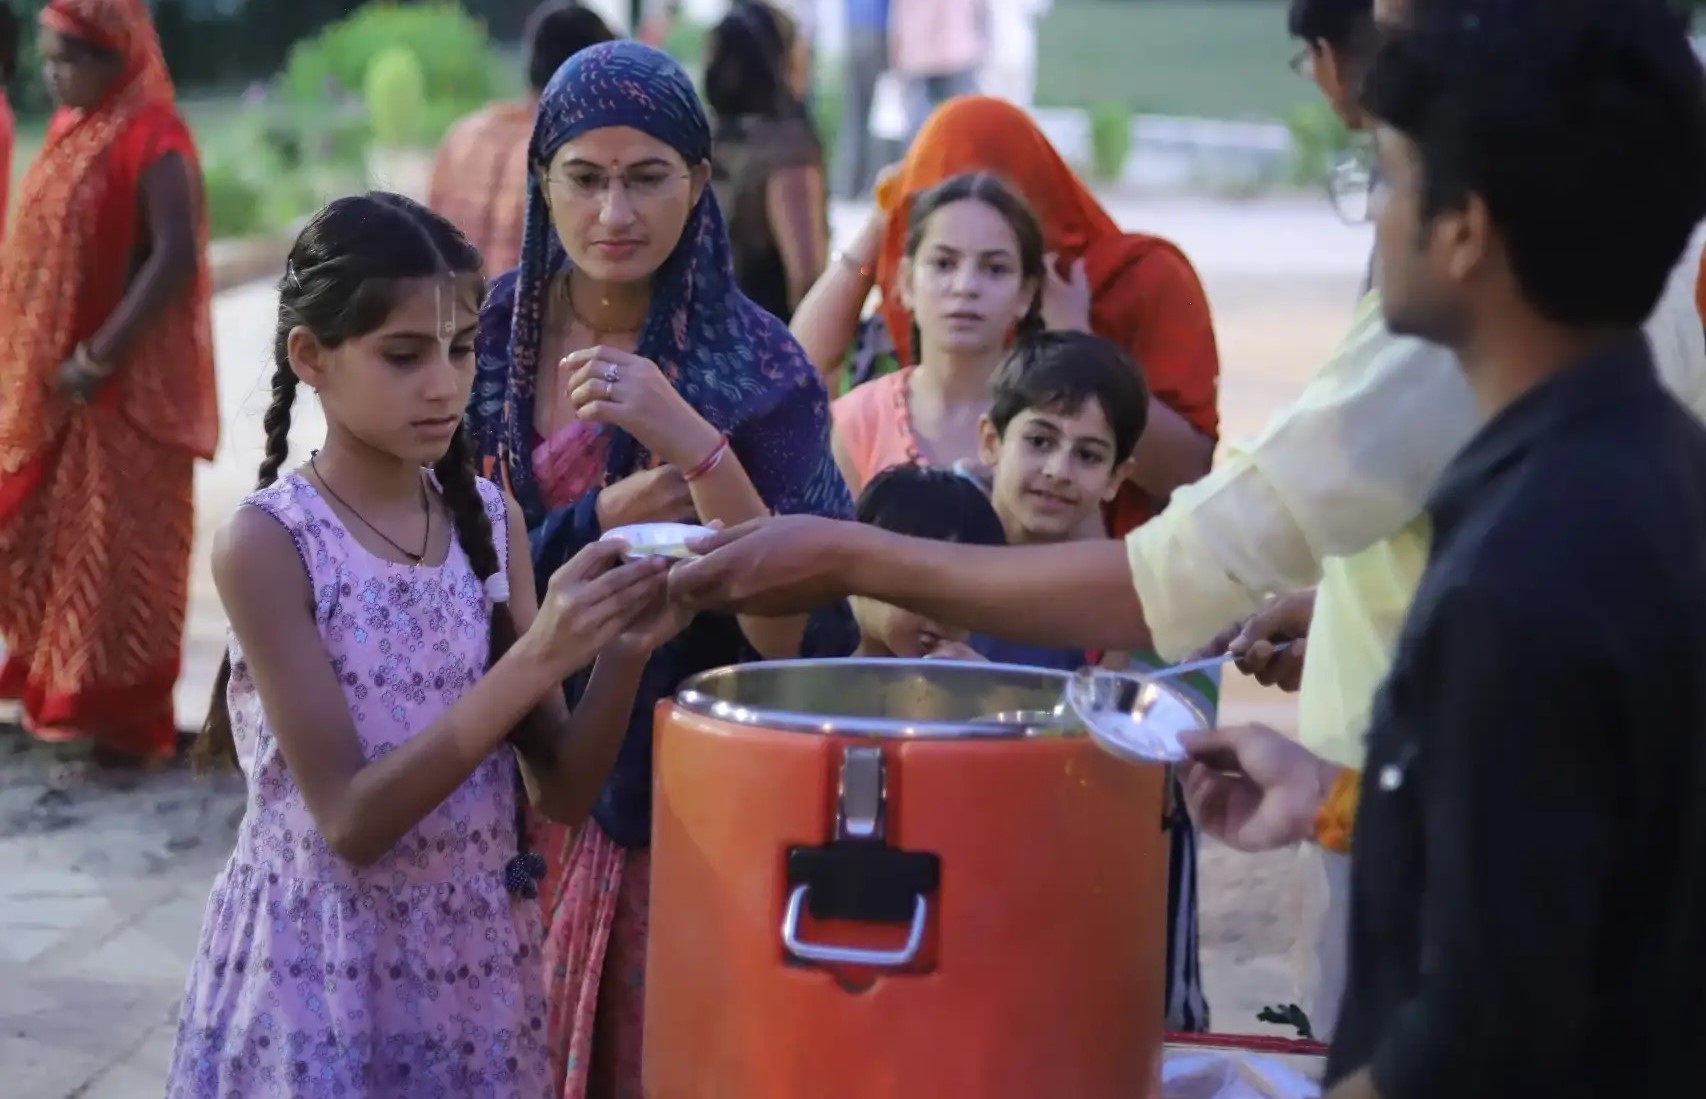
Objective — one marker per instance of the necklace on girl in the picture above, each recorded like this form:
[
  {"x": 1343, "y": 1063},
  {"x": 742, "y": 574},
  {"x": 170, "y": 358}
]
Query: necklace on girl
[{"x": 426, "y": 510}]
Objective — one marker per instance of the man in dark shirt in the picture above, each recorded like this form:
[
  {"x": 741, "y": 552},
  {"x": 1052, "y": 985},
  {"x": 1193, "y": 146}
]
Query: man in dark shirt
[
  {"x": 1529, "y": 868},
  {"x": 1529, "y": 876}
]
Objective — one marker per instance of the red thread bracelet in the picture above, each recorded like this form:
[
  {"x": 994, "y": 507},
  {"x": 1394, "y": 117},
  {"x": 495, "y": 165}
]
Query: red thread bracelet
[{"x": 709, "y": 462}]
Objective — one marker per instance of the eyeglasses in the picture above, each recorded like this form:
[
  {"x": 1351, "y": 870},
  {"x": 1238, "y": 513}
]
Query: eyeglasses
[
  {"x": 1303, "y": 64},
  {"x": 1351, "y": 184},
  {"x": 586, "y": 185}
]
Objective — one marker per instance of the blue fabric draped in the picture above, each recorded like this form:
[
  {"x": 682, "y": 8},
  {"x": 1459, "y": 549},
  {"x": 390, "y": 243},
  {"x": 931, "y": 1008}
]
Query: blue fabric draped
[
  {"x": 732, "y": 361},
  {"x": 736, "y": 364}
]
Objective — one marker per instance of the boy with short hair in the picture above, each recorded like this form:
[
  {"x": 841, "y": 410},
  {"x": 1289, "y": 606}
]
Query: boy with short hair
[{"x": 1067, "y": 411}]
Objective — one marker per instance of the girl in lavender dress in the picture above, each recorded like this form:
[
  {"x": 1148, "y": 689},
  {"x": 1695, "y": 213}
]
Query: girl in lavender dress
[{"x": 391, "y": 684}]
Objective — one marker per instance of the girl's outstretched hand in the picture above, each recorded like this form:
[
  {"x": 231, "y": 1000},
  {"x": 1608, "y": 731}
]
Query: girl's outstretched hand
[
  {"x": 657, "y": 622},
  {"x": 591, "y": 600}
]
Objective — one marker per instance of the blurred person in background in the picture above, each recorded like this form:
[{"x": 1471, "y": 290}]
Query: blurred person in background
[
  {"x": 767, "y": 163},
  {"x": 8, "y": 128},
  {"x": 801, "y": 16},
  {"x": 654, "y": 21},
  {"x": 107, "y": 393},
  {"x": 936, "y": 46},
  {"x": 864, "y": 57},
  {"x": 1010, "y": 67},
  {"x": 479, "y": 178}
]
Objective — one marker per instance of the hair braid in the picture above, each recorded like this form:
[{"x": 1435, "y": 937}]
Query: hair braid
[
  {"x": 475, "y": 533},
  {"x": 215, "y": 745},
  {"x": 276, "y": 421},
  {"x": 530, "y": 737}
]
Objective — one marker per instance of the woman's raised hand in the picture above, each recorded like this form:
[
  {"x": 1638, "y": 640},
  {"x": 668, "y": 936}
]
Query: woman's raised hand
[
  {"x": 657, "y": 495},
  {"x": 591, "y": 601},
  {"x": 1066, "y": 296},
  {"x": 610, "y": 386}
]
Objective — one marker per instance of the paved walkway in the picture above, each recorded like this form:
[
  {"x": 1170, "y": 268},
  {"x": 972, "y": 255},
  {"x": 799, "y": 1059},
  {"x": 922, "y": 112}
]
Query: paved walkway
[{"x": 102, "y": 884}]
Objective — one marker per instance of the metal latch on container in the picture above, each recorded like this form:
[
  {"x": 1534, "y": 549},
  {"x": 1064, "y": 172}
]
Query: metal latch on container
[
  {"x": 860, "y": 813},
  {"x": 857, "y": 876}
]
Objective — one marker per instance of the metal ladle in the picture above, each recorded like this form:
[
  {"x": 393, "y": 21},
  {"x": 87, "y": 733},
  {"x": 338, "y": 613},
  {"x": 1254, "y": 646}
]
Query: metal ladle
[{"x": 1122, "y": 710}]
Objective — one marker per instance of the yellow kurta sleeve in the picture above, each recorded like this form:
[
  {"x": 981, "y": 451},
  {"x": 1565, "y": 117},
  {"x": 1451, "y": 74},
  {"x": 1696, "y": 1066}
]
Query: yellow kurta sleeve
[{"x": 1348, "y": 463}]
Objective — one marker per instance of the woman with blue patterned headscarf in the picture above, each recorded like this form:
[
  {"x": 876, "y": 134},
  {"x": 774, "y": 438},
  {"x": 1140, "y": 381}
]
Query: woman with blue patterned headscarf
[{"x": 624, "y": 378}]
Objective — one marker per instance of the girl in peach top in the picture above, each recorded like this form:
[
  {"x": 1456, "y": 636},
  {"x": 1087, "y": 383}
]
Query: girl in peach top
[{"x": 972, "y": 275}]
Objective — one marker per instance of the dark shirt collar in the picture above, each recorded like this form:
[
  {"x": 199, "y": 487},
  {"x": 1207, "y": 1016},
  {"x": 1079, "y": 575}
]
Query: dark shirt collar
[{"x": 1610, "y": 375}]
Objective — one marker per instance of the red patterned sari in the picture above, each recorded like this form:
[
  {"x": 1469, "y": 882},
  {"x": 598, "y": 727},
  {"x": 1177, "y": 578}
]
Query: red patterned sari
[{"x": 97, "y": 499}]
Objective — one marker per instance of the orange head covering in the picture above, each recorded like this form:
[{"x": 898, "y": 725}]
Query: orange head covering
[
  {"x": 1144, "y": 295},
  {"x": 121, "y": 27},
  {"x": 979, "y": 133},
  {"x": 66, "y": 262}
]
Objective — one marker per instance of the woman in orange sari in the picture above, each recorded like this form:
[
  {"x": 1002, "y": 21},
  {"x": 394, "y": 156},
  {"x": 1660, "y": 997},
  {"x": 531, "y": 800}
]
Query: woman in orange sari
[
  {"x": 1134, "y": 289},
  {"x": 106, "y": 391}
]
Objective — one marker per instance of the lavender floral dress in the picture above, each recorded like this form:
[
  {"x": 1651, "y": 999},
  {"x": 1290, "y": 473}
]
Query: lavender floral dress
[{"x": 417, "y": 977}]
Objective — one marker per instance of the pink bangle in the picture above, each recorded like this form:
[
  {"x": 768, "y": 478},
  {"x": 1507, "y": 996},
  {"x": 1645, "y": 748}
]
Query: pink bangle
[{"x": 709, "y": 462}]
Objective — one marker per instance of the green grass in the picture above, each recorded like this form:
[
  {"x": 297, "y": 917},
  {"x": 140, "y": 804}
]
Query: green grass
[{"x": 1202, "y": 58}]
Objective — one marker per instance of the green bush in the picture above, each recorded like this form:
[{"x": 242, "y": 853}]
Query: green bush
[
  {"x": 395, "y": 91},
  {"x": 1316, "y": 136},
  {"x": 685, "y": 41},
  {"x": 269, "y": 168},
  {"x": 234, "y": 202},
  {"x": 826, "y": 111},
  {"x": 457, "y": 65},
  {"x": 1110, "y": 139}
]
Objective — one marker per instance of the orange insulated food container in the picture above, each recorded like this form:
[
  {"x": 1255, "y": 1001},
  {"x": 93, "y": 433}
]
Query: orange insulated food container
[{"x": 888, "y": 879}]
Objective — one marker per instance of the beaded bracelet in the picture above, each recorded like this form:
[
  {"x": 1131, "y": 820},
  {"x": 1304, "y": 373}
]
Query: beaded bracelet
[
  {"x": 709, "y": 462},
  {"x": 1336, "y": 819}
]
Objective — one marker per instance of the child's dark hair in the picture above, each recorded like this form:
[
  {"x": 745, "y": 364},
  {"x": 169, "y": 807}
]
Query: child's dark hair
[
  {"x": 1059, "y": 371},
  {"x": 340, "y": 283},
  {"x": 998, "y": 195},
  {"x": 930, "y": 503}
]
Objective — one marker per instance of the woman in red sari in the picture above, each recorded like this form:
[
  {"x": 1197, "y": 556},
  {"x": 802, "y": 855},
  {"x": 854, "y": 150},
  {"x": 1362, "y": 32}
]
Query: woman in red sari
[{"x": 106, "y": 391}]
